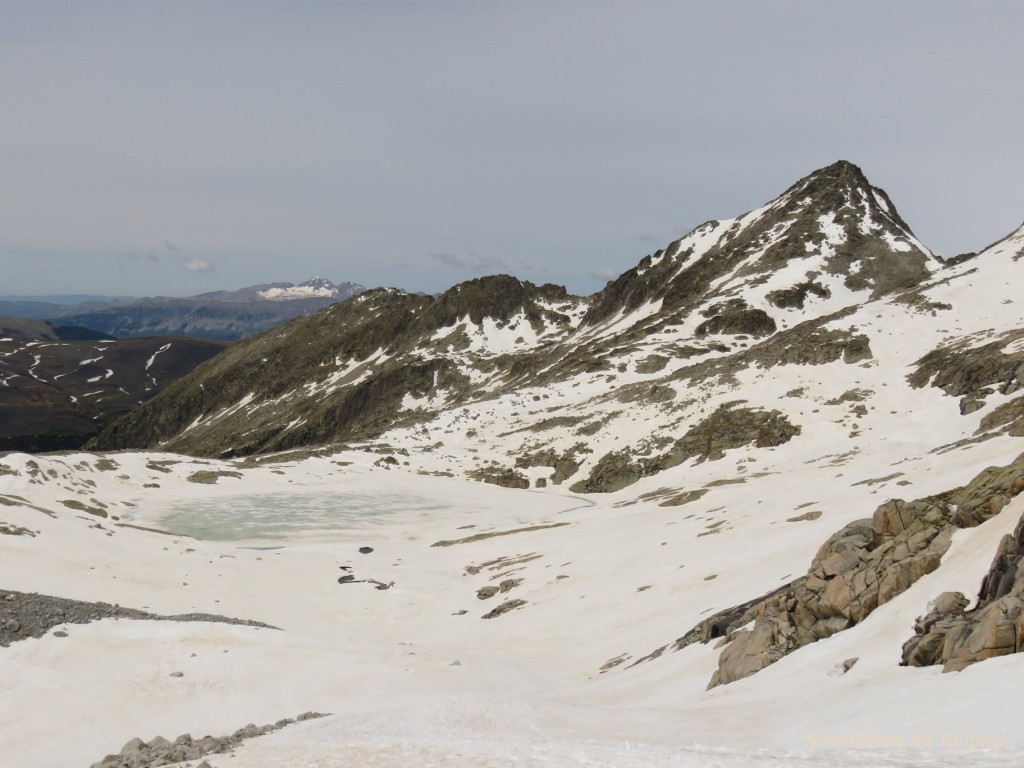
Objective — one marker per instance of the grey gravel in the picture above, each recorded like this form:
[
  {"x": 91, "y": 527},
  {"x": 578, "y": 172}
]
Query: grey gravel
[{"x": 25, "y": 615}]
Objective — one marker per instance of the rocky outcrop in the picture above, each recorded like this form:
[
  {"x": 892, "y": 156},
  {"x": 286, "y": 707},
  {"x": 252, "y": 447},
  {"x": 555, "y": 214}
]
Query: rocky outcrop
[
  {"x": 729, "y": 426},
  {"x": 613, "y": 472},
  {"x": 159, "y": 751},
  {"x": 738, "y": 320},
  {"x": 1008, "y": 417},
  {"x": 970, "y": 371},
  {"x": 864, "y": 565},
  {"x": 795, "y": 297},
  {"x": 503, "y": 476},
  {"x": 27, "y": 615},
  {"x": 564, "y": 464},
  {"x": 955, "y": 637}
]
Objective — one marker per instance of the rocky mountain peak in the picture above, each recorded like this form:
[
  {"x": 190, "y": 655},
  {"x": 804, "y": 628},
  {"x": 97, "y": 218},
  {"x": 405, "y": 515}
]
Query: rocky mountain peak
[
  {"x": 843, "y": 186},
  {"x": 830, "y": 236},
  {"x": 320, "y": 284},
  {"x": 317, "y": 287},
  {"x": 498, "y": 297}
]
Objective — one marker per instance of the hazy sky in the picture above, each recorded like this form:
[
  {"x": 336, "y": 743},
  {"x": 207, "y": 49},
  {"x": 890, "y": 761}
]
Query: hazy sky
[{"x": 178, "y": 147}]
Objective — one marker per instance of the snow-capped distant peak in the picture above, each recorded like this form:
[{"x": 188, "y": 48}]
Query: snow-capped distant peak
[{"x": 318, "y": 287}]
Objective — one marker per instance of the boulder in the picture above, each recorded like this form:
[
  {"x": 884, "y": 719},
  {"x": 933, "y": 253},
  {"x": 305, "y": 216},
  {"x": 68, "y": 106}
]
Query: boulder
[{"x": 869, "y": 562}]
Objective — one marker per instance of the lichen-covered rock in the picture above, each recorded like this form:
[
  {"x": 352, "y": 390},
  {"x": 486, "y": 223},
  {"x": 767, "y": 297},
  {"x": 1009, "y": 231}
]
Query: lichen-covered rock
[
  {"x": 955, "y": 637},
  {"x": 503, "y": 476},
  {"x": 613, "y": 471},
  {"x": 742, "y": 320},
  {"x": 794, "y": 298},
  {"x": 730, "y": 426},
  {"x": 565, "y": 464},
  {"x": 869, "y": 562},
  {"x": 966, "y": 369},
  {"x": 159, "y": 751}
]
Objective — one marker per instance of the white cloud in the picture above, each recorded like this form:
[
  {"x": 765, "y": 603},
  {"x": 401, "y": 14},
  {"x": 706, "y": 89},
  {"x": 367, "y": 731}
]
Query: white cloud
[{"x": 198, "y": 265}]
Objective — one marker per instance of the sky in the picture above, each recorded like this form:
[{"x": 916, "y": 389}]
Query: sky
[{"x": 172, "y": 148}]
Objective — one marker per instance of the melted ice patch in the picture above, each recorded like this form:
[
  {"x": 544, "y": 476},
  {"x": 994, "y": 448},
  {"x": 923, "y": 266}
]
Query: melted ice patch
[{"x": 280, "y": 515}]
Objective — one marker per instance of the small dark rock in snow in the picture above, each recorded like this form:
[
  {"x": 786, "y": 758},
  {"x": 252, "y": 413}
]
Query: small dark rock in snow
[
  {"x": 365, "y": 550},
  {"x": 60, "y": 633},
  {"x": 177, "y": 674}
]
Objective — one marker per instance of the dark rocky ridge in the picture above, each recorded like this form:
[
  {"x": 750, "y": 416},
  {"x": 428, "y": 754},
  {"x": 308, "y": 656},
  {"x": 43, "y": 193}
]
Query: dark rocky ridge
[
  {"x": 426, "y": 352},
  {"x": 197, "y": 318},
  {"x": 26, "y": 615},
  {"x": 57, "y": 393},
  {"x": 22, "y": 329},
  {"x": 287, "y": 358}
]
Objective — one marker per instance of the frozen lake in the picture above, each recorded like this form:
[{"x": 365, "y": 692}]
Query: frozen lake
[{"x": 287, "y": 515}]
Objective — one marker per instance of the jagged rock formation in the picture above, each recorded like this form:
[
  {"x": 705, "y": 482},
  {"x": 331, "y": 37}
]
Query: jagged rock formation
[
  {"x": 866, "y": 564},
  {"x": 955, "y": 637}
]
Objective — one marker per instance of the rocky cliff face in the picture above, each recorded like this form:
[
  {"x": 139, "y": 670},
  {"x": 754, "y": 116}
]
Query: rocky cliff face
[
  {"x": 868, "y": 563},
  {"x": 954, "y": 636}
]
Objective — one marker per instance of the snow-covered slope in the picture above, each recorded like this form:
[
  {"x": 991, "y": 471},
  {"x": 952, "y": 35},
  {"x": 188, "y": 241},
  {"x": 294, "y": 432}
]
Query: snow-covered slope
[
  {"x": 699, "y": 557},
  {"x": 814, "y": 308}
]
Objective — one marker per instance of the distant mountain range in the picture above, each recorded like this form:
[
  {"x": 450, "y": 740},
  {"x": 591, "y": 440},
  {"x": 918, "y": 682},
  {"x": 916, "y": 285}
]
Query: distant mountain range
[{"x": 225, "y": 315}]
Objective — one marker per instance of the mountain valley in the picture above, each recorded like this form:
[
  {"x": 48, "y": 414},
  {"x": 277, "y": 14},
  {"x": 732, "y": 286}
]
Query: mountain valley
[{"x": 758, "y": 501}]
